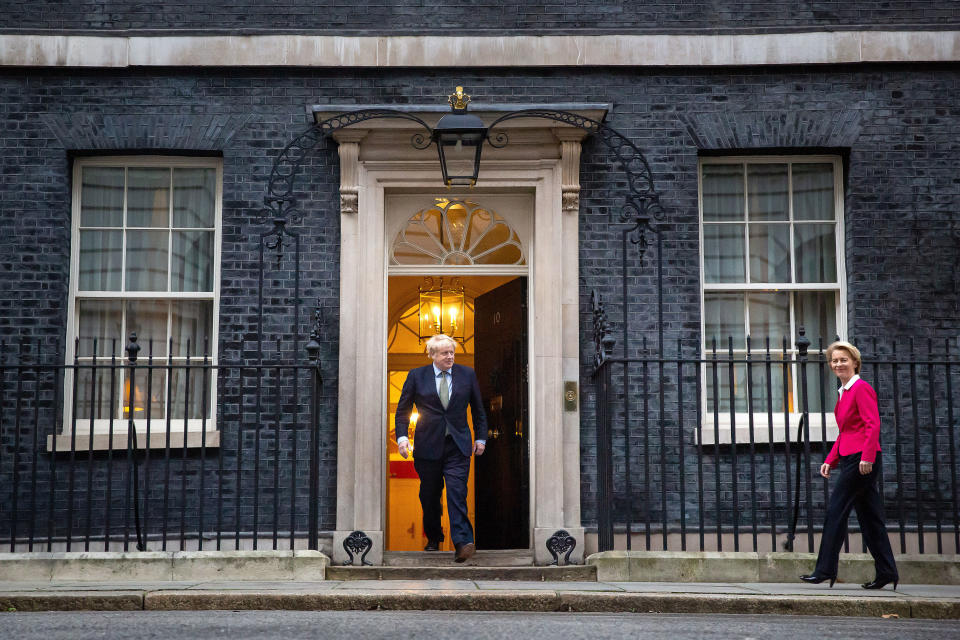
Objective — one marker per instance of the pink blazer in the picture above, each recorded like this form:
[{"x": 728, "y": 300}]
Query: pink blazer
[{"x": 858, "y": 419}]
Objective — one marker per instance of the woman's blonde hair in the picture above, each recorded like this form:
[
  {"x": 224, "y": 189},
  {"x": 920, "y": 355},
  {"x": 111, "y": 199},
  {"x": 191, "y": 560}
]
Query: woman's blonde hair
[{"x": 849, "y": 348}]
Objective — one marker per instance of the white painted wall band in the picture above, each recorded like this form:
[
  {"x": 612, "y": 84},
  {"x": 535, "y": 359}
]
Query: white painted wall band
[{"x": 497, "y": 51}]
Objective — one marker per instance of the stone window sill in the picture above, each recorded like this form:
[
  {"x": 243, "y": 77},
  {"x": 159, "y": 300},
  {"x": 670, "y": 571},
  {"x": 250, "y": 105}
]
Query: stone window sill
[
  {"x": 720, "y": 431},
  {"x": 158, "y": 441}
]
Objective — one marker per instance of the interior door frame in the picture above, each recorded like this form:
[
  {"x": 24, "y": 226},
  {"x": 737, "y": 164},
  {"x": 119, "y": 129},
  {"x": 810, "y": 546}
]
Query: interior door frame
[{"x": 407, "y": 202}]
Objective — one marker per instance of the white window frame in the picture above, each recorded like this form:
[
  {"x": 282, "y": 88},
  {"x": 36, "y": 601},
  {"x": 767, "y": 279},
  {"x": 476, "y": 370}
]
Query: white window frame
[
  {"x": 717, "y": 429},
  {"x": 158, "y": 426}
]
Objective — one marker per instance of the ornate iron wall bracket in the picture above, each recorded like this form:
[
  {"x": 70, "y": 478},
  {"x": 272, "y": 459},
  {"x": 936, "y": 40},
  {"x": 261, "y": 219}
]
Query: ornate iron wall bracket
[
  {"x": 561, "y": 542},
  {"x": 642, "y": 201},
  {"x": 356, "y": 543},
  {"x": 280, "y": 202},
  {"x": 275, "y": 240}
]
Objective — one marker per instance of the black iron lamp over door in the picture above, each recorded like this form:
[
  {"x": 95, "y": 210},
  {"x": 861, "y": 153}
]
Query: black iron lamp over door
[{"x": 459, "y": 138}]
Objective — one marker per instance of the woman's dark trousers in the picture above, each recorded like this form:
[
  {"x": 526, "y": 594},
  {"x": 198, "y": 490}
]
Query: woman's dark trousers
[{"x": 859, "y": 492}]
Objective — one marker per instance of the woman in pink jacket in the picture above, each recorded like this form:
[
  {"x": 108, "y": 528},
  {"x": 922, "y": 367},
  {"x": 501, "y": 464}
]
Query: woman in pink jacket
[{"x": 857, "y": 453}]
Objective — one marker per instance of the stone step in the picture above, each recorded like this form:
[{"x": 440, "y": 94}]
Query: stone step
[
  {"x": 483, "y": 558},
  {"x": 570, "y": 573}
]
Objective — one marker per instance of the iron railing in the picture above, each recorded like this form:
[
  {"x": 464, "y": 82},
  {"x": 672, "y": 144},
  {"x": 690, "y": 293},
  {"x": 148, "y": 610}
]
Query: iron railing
[
  {"x": 719, "y": 450},
  {"x": 708, "y": 456},
  {"x": 236, "y": 470}
]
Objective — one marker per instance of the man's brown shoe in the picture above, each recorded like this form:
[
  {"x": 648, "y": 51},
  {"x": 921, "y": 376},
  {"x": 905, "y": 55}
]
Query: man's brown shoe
[{"x": 465, "y": 552}]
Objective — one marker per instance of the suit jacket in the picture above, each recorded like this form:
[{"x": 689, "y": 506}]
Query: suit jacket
[
  {"x": 420, "y": 389},
  {"x": 858, "y": 419}
]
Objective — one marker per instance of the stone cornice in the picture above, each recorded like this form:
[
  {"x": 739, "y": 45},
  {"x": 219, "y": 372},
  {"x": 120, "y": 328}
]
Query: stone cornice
[{"x": 841, "y": 47}]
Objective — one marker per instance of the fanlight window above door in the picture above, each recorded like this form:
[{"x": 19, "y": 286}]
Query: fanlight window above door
[{"x": 457, "y": 232}]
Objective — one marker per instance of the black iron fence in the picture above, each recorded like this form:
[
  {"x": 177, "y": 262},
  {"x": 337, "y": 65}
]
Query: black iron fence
[
  {"x": 715, "y": 450},
  {"x": 719, "y": 448},
  {"x": 110, "y": 453}
]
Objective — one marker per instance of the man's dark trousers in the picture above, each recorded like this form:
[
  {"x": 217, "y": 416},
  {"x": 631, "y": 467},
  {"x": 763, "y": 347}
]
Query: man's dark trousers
[{"x": 452, "y": 469}]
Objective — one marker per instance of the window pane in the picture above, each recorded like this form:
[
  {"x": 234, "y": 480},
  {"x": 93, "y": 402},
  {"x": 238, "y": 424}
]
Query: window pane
[
  {"x": 496, "y": 235},
  {"x": 143, "y": 388},
  {"x": 767, "y": 189},
  {"x": 194, "y": 193},
  {"x": 763, "y": 397},
  {"x": 723, "y": 370},
  {"x": 192, "y": 320},
  {"x": 189, "y": 407},
  {"x": 816, "y": 257},
  {"x": 101, "y": 197},
  {"x": 421, "y": 240},
  {"x": 817, "y": 314},
  {"x": 101, "y": 257},
  {"x": 100, "y": 320},
  {"x": 148, "y": 197},
  {"x": 506, "y": 254},
  {"x": 722, "y": 192},
  {"x": 769, "y": 253},
  {"x": 813, "y": 192},
  {"x": 480, "y": 221},
  {"x": 723, "y": 253},
  {"x": 457, "y": 225},
  {"x": 97, "y": 391},
  {"x": 192, "y": 263},
  {"x": 723, "y": 317},
  {"x": 147, "y": 260},
  {"x": 769, "y": 318},
  {"x": 148, "y": 319}
]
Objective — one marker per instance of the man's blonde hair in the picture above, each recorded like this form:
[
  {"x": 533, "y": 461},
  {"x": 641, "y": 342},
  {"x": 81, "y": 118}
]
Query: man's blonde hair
[
  {"x": 849, "y": 348},
  {"x": 438, "y": 341}
]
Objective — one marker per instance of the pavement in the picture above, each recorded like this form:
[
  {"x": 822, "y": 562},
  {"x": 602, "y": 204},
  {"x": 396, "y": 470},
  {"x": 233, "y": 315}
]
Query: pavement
[{"x": 844, "y": 599}]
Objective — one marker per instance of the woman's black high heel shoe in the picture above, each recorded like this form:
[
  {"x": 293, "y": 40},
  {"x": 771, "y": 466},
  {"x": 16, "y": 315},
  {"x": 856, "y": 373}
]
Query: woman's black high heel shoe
[
  {"x": 815, "y": 579},
  {"x": 880, "y": 583}
]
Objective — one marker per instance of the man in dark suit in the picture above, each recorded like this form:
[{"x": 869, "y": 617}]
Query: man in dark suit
[{"x": 442, "y": 391}]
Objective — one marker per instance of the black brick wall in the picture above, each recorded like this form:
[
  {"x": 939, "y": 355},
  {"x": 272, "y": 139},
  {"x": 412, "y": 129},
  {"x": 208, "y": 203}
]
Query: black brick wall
[
  {"x": 424, "y": 15},
  {"x": 895, "y": 125}
]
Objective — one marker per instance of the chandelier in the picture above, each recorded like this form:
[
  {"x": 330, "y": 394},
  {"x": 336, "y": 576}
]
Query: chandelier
[{"x": 441, "y": 309}]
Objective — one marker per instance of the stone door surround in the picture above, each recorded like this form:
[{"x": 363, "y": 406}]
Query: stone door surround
[{"x": 542, "y": 159}]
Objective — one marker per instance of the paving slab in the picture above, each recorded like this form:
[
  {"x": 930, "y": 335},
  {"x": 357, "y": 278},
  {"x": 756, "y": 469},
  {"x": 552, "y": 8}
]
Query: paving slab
[
  {"x": 545, "y": 586},
  {"x": 929, "y": 590},
  {"x": 822, "y": 590},
  {"x": 682, "y": 587},
  {"x": 117, "y": 586}
]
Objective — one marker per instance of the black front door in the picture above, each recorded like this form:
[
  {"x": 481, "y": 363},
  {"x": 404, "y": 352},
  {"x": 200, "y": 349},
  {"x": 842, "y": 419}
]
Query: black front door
[{"x": 502, "y": 472}]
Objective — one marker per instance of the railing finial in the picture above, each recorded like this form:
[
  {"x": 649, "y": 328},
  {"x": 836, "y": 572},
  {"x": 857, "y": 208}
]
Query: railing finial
[
  {"x": 803, "y": 343},
  {"x": 133, "y": 348}
]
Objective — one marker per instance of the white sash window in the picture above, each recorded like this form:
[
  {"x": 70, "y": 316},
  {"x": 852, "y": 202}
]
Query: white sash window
[
  {"x": 772, "y": 262},
  {"x": 145, "y": 259}
]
